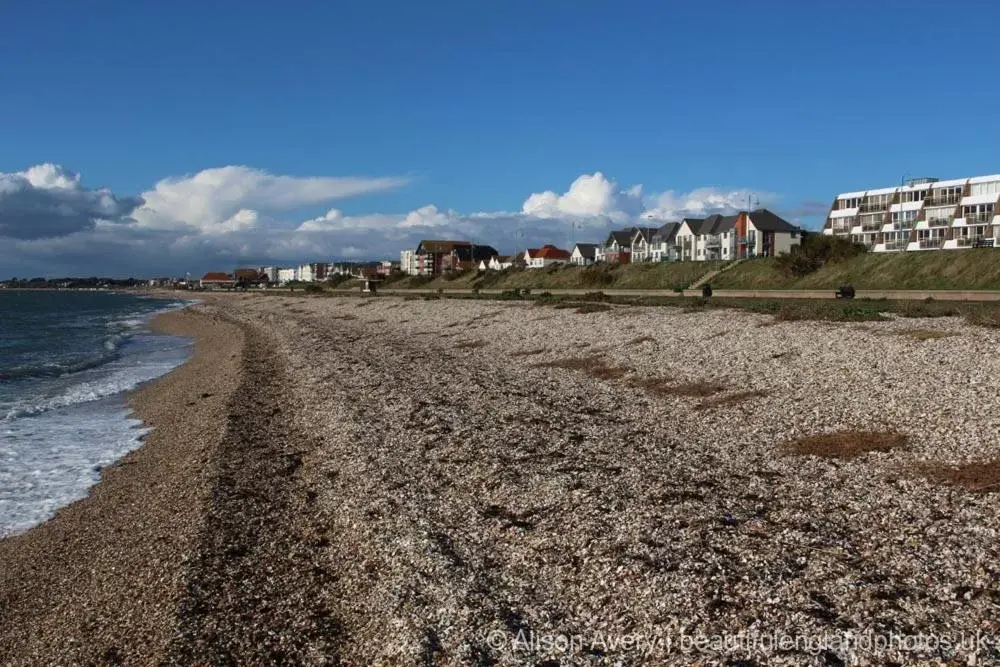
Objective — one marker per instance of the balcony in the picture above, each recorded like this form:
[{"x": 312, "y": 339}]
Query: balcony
[
  {"x": 713, "y": 241},
  {"x": 871, "y": 227},
  {"x": 931, "y": 244},
  {"x": 873, "y": 207},
  {"x": 940, "y": 222},
  {"x": 985, "y": 218},
  {"x": 943, "y": 201},
  {"x": 898, "y": 244}
]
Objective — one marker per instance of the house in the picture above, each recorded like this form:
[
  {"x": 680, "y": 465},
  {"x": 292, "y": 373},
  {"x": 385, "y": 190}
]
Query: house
[
  {"x": 286, "y": 276},
  {"x": 584, "y": 254},
  {"x": 499, "y": 263},
  {"x": 662, "y": 246},
  {"x": 686, "y": 239},
  {"x": 641, "y": 240},
  {"x": 717, "y": 238},
  {"x": 217, "y": 280},
  {"x": 436, "y": 257},
  {"x": 921, "y": 214},
  {"x": 547, "y": 255},
  {"x": 762, "y": 233},
  {"x": 617, "y": 247}
]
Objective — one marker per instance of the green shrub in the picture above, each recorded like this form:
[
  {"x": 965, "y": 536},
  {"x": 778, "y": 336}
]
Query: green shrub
[{"x": 815, "y": 251}]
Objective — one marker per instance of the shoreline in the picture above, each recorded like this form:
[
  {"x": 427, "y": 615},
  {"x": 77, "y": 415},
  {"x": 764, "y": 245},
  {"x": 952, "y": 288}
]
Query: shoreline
[{"x": 64, "y": 597}]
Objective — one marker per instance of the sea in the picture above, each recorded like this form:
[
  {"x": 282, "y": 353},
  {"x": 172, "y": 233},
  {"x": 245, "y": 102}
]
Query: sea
[{"x": 66, "y": 360}]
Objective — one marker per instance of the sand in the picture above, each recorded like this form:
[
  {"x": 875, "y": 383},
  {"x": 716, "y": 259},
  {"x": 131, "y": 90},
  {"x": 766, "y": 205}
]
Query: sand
[{"x": 393, "y": 481}]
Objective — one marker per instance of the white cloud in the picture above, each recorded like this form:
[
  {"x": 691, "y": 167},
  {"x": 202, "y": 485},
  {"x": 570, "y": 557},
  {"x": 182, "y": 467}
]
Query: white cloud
[
  {"x": 589, "y": 196},
  {"x": 213, "y": 197},
  {"x": 219, "y": 218},
  {"x": 671, "y": 205}
]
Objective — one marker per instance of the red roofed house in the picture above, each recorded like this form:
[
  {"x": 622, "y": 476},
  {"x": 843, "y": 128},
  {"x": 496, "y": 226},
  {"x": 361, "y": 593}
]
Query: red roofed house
[
  {"x": 547, "y": 255},
  {"x": 217, "y": 280}
]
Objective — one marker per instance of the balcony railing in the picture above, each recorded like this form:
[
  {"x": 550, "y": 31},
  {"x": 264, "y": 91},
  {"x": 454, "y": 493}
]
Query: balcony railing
[
  {"x": 939, "y": 222},
  {"x": 712, "y": 241},
  {"x": 978, "y": 218},
  {"x": 943, "y": 201},
  {"x": 873, "y": 207},
  {"x": 903, "y": 226},
  {"x": 871, "y": 227},
  {"x": 898, "y": 244},
  {"x": 927, "y": 244}
]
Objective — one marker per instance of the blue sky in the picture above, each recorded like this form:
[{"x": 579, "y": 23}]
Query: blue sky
[{"x": 479, "y": 105}]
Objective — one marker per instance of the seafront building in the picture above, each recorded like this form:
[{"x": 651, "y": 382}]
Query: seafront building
[{"x": 920, "y": 214}]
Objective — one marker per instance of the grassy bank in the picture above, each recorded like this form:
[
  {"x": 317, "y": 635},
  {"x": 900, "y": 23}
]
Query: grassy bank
[
  {"x": 662, "y": 276},
  {"x": 975, "y": 268}
]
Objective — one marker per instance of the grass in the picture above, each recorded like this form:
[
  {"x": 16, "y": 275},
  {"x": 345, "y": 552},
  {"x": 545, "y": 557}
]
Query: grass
[
  {"x": 848, "y": 444},
  {"x": 969, "y": 269},
  {"x": 644, "y": 275}
]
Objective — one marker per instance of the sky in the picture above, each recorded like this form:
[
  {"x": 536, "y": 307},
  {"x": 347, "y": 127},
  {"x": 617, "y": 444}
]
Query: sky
[{"x": 153, "y": 139}]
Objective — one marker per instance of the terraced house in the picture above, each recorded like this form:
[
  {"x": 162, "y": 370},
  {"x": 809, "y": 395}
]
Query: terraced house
[{"x": 921, "y": 214}]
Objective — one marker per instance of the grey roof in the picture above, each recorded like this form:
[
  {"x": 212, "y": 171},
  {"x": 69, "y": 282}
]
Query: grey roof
[
  {"x": 766, "y": 221},
  {"x": 644, "y": 232},
  {"x": 587, "y": 250},
  {"x": 717, "y": 224},
  {"x": 623, "y": 236},
  {"x": 693, "y": 223},
  {"x": 666, "y": 233}
]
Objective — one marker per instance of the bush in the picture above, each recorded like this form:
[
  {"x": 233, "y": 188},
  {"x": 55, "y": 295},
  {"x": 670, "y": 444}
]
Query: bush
[
  {"x": 597, "y": 276},
  {"x": 313, "y": 288},
  {"x": 815, "y": 251},
  {"x": 338, "y": 279}
]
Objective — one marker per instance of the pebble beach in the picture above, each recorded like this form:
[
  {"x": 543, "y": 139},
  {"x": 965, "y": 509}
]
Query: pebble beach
[{"x": 450, "y": 482}]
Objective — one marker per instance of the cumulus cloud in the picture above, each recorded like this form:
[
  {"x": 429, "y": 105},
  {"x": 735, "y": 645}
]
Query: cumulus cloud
[
  {"x": 47, "y": 201},
  {"x": 214, "y": 197},
  {"x": 218, "y": 218},
  {"x": 589, "y": 196},
  {"x": 671, "y": 205}
]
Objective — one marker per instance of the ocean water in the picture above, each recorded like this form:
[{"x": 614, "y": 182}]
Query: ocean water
[{"x": 66, "y": 359}]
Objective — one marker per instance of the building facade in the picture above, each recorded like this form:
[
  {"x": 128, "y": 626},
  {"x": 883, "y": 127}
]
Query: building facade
[{"x": 921, "y": 214}]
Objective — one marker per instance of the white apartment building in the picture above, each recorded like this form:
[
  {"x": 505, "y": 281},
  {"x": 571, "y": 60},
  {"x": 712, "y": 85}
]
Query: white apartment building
[
  {"x": 286, "y": 276},
  {"x": 408, "y": 262},
  {"x": 921, "y": 214}
]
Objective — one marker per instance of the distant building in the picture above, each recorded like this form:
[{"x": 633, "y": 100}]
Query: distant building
[
  {"x": 547, "y": 255},
  {"x": 500, "y": 262},
  {"x": 217, "y": 280},
  {"x": 617, "y": 247},
  {"x": 436, "y": 257},
  {"x": 249, "y": 277},
  {"x": 286, "y": 276},
  {"x": 584, "y": 254},
  {"x": 408, "y": 262}
]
